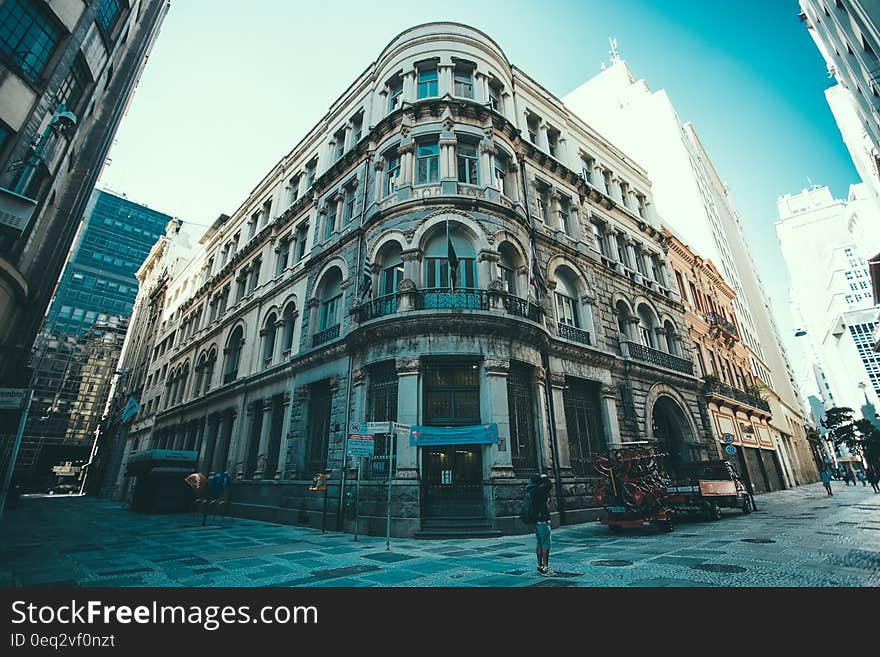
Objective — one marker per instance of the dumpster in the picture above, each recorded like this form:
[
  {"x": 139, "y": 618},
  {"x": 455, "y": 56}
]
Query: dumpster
[{"x": 160, "y": 480}]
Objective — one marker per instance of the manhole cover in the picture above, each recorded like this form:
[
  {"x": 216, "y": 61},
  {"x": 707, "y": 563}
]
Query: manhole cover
[
  {"x": 612, "y": 562},
  {"x": 719, "y": 568},
  {"x": 757, "y": 540}
]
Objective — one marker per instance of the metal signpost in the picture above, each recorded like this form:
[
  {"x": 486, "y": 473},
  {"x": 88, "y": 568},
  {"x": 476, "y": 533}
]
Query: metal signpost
[
  {"x": 12, "y": 399},
  {"x": 360, "y": 445}
]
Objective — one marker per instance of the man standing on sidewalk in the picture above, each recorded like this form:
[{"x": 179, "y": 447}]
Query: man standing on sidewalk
[
  {"x": 826, "y": 480},
  {"x": 539, "y": 489}
]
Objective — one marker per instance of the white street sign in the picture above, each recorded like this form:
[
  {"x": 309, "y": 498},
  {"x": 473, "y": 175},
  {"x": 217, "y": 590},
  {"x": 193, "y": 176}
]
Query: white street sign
[
  {"x": 360, "y": 444},
  {"x": 13, "y": 398},
  {"x": 400, "y": 429}
]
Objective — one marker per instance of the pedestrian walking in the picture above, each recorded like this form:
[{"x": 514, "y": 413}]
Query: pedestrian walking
[
  {"x": 825, "y": 475},
  {"x": 861, "y": 477},
  {"x": 848, "y": 478},
  {"x": 535, "y": 509},
  {"x": 874, "y": 479}
]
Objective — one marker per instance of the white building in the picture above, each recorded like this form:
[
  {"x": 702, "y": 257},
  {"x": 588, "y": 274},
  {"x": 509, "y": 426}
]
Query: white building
[
  {"x": 826, "y": 243},
  {"x": 692, "y": 199}
]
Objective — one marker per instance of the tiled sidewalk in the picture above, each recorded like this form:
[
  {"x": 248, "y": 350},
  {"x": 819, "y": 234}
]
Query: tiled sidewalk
[{"x": 798, "y": 537}]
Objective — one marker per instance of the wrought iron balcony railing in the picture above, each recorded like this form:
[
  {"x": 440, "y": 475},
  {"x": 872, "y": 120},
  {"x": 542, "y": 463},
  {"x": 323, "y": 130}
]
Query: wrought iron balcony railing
[
  {"x": 747, "y": 398},
  {"x": 570, "y": 332},
  {"x": 522, "y": 308},
  {"x": 379, "y": 307},
  {"x": 714, "y": 319},
  {"x": 326, "y": 335},
  {"x": 661, "y": 358},
  {"x": 444, "y": 298}
]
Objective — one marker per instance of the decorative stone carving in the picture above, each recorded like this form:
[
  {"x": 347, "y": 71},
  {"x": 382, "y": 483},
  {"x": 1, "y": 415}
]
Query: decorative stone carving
[
  {"x": 497, "y": 286},
  {"x": 408, "y": 365},
  {"x": 557, "y": 379},
  {"x": 406, "y": 285},
  {"x": 496, "y": 366},
  {"x": 358, "y": 377}
]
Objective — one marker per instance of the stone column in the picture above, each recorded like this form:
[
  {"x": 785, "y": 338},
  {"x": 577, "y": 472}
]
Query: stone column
[
  {"x": 486, "y": 175},
  {"x": 266, "y": 409},
  {"x": 409, "y": 87},
  {"x": 448, "y": 175},
  {"x": 555, "y": 212},
  {"x": 206, "y": 453},
  {"x": 481, "y": 88},
  {"x": 227, "y": 454},
  {"x": 543, "y": 140},
  {"x": 411, "y": 268},
  {"x": 408, "y": 370},
  {"x": 312, "y": 305},
  {"x": 610, "y": 424},
  {"x": 487, "y": 270},
  {"x": 359, "y": 394},
  {"x": 407, "y": 169},
  {"x": 542, "y": 422},
  {"x": 379, "y": 167},
  {"x": 444, "y": 79},
  {"x": 497, "y": 410},
  {"x": 285, "y": 438},
  {"x": 557, "y": 389},
  {"x": 220, "y": 443}
]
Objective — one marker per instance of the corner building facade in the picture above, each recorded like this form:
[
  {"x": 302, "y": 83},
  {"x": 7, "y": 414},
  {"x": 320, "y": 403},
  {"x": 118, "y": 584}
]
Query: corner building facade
[{"x": 269, "y": 349}]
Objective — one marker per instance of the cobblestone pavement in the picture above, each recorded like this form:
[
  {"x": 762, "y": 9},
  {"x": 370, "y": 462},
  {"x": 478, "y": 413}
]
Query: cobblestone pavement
[{"x": 798, "y": 537}]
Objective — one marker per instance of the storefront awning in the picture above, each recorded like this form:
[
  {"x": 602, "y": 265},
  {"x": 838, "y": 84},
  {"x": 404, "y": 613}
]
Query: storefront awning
[{"x": 478, "y": 434}]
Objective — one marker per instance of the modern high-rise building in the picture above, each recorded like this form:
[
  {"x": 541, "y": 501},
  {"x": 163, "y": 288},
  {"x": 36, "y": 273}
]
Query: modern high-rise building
[
  {"x": 692, "y": 199},
  {"x": 76, "y": 350},
  {"x": 826, "y": 243},
  {"x": 68, "y": 69},
  {"x": 846, "y": 33}
]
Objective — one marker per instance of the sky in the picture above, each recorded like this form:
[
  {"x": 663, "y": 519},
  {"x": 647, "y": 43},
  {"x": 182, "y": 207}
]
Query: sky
[{"x": 231, "y": 87}]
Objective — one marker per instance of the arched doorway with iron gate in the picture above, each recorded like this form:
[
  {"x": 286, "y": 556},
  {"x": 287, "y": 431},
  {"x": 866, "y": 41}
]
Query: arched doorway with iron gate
[{"x": 671, "y": 427}]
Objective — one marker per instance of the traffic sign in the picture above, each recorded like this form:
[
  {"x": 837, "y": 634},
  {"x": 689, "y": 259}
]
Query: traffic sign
[
  {"x": 728, "y": 438},
  {"x": 361, "y": 444},
  {"x": 400, "y": 429},
  {"x": 730, "y": 449}
]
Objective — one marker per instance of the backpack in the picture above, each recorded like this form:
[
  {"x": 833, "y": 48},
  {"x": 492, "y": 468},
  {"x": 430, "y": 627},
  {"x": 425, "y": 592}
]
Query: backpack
[{"x": 527, "y": 512}]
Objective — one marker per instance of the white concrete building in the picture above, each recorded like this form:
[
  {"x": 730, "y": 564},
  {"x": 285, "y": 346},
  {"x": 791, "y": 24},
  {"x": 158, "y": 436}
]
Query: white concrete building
[
  {"x": 826, "y": 243},
  {"x": 692, "y": 199}
]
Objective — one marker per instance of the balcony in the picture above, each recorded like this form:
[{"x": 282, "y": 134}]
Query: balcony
[
  {"x": 449, "y": 299},
  {"x": 326, "y": 335},
  {"x": 522, "y": 308},
  {"x": 378, "y": 307},
  {"x": 661, "y": 358},
  {"x": 714, "y": 387},
  {"x": 569, "y": 332},
  {"x": 716, "y": 320}
]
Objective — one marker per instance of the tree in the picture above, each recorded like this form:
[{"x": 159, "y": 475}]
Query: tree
[{"x": 860, "y": 436}]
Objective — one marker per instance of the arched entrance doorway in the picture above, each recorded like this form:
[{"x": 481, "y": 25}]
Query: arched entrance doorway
[{"x": 672, "y": 431}]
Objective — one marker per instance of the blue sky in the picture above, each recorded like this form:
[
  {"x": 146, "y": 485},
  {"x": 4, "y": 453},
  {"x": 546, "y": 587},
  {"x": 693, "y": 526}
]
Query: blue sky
[{"x": 230, "y": 87}]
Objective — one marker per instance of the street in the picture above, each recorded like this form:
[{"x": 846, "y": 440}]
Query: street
[{"x": 798, "y": 537}]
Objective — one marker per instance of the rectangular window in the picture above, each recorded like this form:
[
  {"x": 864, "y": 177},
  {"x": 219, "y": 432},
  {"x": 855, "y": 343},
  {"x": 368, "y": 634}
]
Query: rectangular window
[
  {"x": 391, "y": 174},
  {"x": 108, "y": 15},
  {"x": 339, "y": 144},
  {"x": 255, "y": 274},
  {"x": 329, "y": 312},
  {"x": 240, "y": 284},
  {"x": 553, "y": 142},
  {"x": 544, "y": 204},
  {"x": 330, "y": 225},
  {"x": 565, "y": 214},
  {"x": 294, "y": 188},
  {"x": 348, "y": 204},
  {"x": 357, "y": 124},
  {"x": 395, "y": 91},
  {"x": 502, "y": 166},
  {"x": 283, "y": 256},
  {"x": 463, "y": 85},
  {"x": 468, "y": 163},
  {"x": 301, "y": 236},
  {"x": 566, "y": 309},
  {"x": 26, "y": 37},
  {"x": 427, "y": 83},
  {"x": 452, "y": 393},
  {"x": 311, "y": 167},
  {"x": 495, "y": 96},
  {"x": 74, "y": 86},
  {"x": 427, "y": 162}
]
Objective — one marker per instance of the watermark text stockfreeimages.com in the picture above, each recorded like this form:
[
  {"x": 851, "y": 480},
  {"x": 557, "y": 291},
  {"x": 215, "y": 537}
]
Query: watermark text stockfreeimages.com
[{"x": 210, "y": 617}]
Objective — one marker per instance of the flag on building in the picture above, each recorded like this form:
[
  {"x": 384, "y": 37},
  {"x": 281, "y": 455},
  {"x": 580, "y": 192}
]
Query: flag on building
[
  {"x": 367, "y": 278},
  {"x": 453, "y": 260},
  {"x": 536, "y": 276},
  {"x": 130, "y": 410}
]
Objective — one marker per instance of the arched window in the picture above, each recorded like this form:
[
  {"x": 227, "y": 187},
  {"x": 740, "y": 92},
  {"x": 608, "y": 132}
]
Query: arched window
[
  {"x": 671, "y": 341},
  {"x": 201, "y": 366},
  {"x": 438, "y": 273},
  {"x": 233, "y": 355},
  {"x": 567, "y": 310},
  {"x": 288, "y": 317},
  {"x": 269, "y": 338},
  {"x": 647, "y": 326},
  {"x": 329, "y": 307},
  {"x": 209, "y": 369},
  {"x": 183, "y": 378},
  {"x": 624, "y": 319},
  {"x": 508, "y": 264},
  {"x": 391, "y": 264}
]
